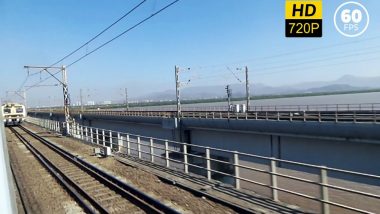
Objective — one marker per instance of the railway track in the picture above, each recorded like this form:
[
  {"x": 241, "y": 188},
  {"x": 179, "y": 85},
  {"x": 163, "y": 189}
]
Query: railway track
[{"x": 94, "y": 190}]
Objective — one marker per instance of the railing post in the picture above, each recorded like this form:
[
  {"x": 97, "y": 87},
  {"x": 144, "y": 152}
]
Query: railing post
[
  {"x": 185, "y": 161},
  {"x": 119, "y": 142},
  {"x": 151, "y": 150},
  {"x": 110, "y": 140},
  {"x": 97, "y": 136},
  {"x": 324, "y": 191},
  {"x": 375, "y": 117},
  {"x": 167, "y": 153},
  {"x": 139, "y": 147},
  {"x": 81, "y": 133},
  {"x": 237, "y": 170},
  {"x": 128, "y": 145},
  {"x": 86, "y": 130},
  {"x": 273, "y": 170},
  {"x": 208, "y": 163},
  {"x": 91, "y": 135},
  {"x": 73, "y": 128},
  {"x": 103, "y": 137},
  {"x": 77, "y": 130}
]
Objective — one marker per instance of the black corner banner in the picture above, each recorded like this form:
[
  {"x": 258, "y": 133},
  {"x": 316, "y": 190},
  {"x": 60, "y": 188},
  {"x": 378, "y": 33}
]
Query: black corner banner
[{"x": 303, "y": 27}]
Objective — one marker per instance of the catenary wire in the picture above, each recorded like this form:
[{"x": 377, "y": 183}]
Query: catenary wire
[
  {"x": 116, "y": 37},
  {"x": 124, "y": 32},
  {"x": 89, "y": 41}
]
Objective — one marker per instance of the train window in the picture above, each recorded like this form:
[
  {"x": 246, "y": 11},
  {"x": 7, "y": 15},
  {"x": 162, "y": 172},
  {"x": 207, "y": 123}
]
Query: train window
[
  {"x": 7, "y": 110},
  {"x": 19, "y": 110}
]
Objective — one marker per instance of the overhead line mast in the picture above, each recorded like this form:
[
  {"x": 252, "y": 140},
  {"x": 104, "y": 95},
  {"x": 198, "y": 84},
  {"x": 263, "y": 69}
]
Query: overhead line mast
[{"x": 66, "y": 98}]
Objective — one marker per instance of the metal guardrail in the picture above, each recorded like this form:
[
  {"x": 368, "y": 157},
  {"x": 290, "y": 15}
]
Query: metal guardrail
[
  {"x": 316, "y": 116},
  {"x": 217, "y": 108},
  {"x": 160, "y": 151},
  {"x": 368, "y": 113},
  {"x": 354, "y": 116},
  {"x": 312, "y": 107}
]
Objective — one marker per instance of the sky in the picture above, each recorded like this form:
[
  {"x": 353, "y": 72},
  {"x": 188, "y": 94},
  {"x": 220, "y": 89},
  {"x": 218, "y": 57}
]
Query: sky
[{"x": 207, "y": 39}]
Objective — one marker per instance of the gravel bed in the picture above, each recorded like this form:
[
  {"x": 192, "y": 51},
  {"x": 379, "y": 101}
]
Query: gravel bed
[
  {"x": 43, "y": 193},
  {"x": 173, "y": 196}
]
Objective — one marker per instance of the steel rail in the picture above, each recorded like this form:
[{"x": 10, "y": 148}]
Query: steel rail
[
  {"x": 25, "y": 205},
  {"x": 50, "y": 167},
  {"x": 140, "y": 199}
]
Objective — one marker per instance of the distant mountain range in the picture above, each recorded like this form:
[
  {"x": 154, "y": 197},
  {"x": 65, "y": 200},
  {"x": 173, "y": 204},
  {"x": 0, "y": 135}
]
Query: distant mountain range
[{"x": 345, "y": 83}]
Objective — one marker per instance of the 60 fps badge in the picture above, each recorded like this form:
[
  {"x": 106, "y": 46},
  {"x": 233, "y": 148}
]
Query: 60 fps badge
[
  {"x": 351, "y": 19},
  {"x": 303, "y": 18}
]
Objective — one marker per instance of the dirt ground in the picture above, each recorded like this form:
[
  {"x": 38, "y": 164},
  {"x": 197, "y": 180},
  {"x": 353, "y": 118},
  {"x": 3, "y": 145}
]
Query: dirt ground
[
  {"x": 41, "y": 191},
  {"x": 173, "y": 196}
]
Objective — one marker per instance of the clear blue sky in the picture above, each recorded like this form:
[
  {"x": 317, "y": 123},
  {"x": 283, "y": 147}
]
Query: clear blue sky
[{"x": 206, "y": 35}]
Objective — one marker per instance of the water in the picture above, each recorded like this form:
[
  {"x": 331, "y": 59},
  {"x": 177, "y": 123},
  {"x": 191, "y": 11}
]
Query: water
[{"x": 341, "y": 99}]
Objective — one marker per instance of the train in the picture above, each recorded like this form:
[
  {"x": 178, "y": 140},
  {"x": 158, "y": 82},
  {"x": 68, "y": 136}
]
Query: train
[{"x": 14, "y": 113}]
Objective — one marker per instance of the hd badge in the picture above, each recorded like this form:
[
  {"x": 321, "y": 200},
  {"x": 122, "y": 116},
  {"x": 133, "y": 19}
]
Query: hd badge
[{"x": 303, "y": 18}]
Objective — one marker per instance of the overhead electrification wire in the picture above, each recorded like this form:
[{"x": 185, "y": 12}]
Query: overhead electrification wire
[
  {"x": 321, "y": 66},
  {"x": 92, "y": 39},
  {"x": 104, "y": 44},
  {"x": 298, "y": 65},
  {"x": 103, "y": 31},
  {"x": 323, "y": 59},
  {"x": 286, "y": 53},
  {"x": 228, "y": 68},
  {"x": 124, "y": 32},
  {"x": 305, "y": 65}
]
